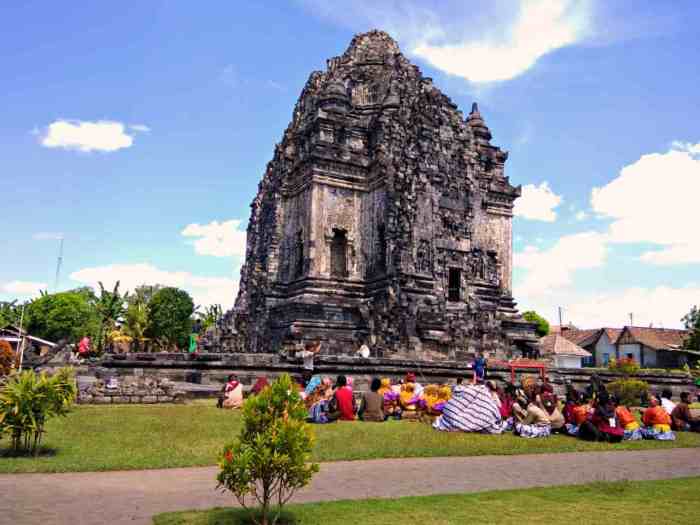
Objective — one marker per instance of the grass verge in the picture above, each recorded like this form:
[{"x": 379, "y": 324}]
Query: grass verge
[
  {"x": 127, "y": 437},
  {"x": 640, "y": 502}
]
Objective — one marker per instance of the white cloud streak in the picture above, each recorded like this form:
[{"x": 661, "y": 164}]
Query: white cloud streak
[
  {"x": 541, "y": 27},
  {"x": 481, "y": 42},
  {"x": 537, "y": 203},
  {"x": 204, "y": 290},
  {"x": 651, "y": 201},
  {"x": 85, "y": 136},
  {"x": 22, "y": 288},
  {"x": 219, "y": 239}
]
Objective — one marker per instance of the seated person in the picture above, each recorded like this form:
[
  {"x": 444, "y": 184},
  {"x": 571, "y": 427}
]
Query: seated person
[
  {"x": 681, "y": 418},
  {"x": 473, "y": 411},
  {"x": 259, "y": 385},
  {"x": 531, "y": 420},
  {"x": 458, "y": 387},
  {"x": 657, "y": 423},
  {"x": 233, "y": 394},
  {"x": 556, "y": 418},
  {"x": 666, "y": 402},
  {"x": 507, "y": 396},
  {"x": 605, "y": 420},
  {"x": 372, "y": 406},
  {"x": 321, "y": 405},
  {"x": 628, "y": 423},
  {"x": 344, "y": 399}
]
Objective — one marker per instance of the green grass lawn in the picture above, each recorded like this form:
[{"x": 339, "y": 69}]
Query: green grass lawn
[
  {"x": 127, "y": 437},
  {"x": 640, "y": 502}
]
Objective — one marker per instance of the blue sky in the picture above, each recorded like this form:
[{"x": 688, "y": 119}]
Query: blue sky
[{"x": 138, "y": 131}]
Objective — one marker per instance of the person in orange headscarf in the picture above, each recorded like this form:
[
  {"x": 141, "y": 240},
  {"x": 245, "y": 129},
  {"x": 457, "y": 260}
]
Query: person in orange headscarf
[{"x": 657, "y": 422}]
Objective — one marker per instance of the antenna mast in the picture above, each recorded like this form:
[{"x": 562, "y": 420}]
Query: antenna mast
[{"x": 59, "y": 262}]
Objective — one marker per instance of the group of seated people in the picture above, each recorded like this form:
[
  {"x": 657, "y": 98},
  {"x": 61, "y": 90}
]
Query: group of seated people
[{"x": 530, "y": 409}]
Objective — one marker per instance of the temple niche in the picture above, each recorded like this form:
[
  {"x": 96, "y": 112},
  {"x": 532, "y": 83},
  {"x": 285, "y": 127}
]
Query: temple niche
[{"x": 384, "y": 216}]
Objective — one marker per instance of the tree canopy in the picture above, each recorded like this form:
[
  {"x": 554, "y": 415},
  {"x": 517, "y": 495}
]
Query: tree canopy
[
  {"x": 65, "y": 316},
  {"x": 542, "y": 323},
  {"x": 692, "y": 324},
  {"x": 170, "y": 316}
]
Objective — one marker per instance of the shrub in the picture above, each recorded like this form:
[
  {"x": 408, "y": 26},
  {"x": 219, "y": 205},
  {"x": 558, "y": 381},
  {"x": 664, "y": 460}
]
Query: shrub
[
  {"x": 626, "y": 366},
  {"x": 28, "y": 400},
  {"x": 7, "y": 358},
  {"x": 628, "y": 391},
  {"x": 270, "y": 459}
]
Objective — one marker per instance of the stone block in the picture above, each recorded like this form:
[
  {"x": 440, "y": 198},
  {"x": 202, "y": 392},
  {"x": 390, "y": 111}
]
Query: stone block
[
  {"x": 101, "y": 400},
  {"x": 149, "y": 399},
  {"x": 165, "y": 399}
]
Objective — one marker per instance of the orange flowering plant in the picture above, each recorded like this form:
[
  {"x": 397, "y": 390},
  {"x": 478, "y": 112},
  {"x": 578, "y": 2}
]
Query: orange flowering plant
[{"x": 270, "y": 459}]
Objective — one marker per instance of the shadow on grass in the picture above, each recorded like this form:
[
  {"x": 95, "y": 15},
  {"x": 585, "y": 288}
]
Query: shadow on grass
[
  {"x": 221, "y": 516},
  {"x": 44, "y": 452}
]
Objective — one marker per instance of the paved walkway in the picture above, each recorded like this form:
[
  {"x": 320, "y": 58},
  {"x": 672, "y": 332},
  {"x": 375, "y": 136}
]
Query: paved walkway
[{"x": 135, "y": 496}]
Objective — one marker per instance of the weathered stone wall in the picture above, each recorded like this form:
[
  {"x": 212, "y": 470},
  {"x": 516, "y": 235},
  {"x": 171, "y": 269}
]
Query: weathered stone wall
[
  {"x": 379, "y": 159},
  {"x": 167, "y": 376}
]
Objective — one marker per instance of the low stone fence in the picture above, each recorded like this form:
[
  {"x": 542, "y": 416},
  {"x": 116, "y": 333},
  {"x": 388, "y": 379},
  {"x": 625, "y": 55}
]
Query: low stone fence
[
  {"x": 129, "y": 389},
  {"x": 158, "y": 378}
]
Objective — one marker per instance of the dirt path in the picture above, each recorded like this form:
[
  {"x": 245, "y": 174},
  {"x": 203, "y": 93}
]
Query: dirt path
[{"x": 135, "y": 496}]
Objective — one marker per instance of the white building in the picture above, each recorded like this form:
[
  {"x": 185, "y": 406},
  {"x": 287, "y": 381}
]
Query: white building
[{"x": 562, "y": 352}]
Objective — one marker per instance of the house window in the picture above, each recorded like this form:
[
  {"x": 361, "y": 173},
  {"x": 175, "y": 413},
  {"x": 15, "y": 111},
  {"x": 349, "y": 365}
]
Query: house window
[
  {"x": 454, "y": 285},
  {"x": 606, "y": 359},
  {"x": 339, "y": 250},
  {"x": 629, "y": 356}
]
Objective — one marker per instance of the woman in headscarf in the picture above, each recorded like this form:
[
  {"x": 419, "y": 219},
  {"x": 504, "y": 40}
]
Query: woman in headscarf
[
  {"x": 657, "y": 422},
  {"x": 473, "y": 411},
  {"x": 233, "y": 393}
]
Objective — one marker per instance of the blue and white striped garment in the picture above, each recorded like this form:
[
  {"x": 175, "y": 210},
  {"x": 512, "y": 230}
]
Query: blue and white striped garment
[{"x": 472, "y": 410}]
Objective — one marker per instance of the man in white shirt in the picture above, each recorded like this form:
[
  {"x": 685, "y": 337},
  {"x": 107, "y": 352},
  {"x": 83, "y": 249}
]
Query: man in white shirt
[
  {"x": 308, "y": 354},
  {"x": 666, "y": 402}
]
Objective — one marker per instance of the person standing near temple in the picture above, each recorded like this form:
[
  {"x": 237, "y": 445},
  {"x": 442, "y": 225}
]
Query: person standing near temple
[
  {"x": 307, "y": 355},
  {"x": 479, "y": 367}
]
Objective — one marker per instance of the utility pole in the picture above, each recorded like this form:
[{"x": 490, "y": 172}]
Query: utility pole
[
  {"x": 20, "y": 347},
  {"x": 59, "y": 262},
  {"x": 631, "y": 319},
  {"x": 560, "y": 325}
]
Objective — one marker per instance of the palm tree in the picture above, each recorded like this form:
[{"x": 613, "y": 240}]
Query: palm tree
[{"x": 110, "y": 308}]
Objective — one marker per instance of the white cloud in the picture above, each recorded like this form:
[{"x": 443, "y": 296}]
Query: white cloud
[
  {"x": 651, "y": 201},
  {"x": 47, "y": 236},
  {"x": 581, "y": 216},
  {"x": 553, "y": 268},
  {"x": 204, "y": 290},
  {"x": 22, "y": 288},
  {"x": 220, "y": 239},
  {"x": 541, "y": 27},
  {"x": 86, "y": 136},
  {"x": 140, "y": 127},
  {"x": 662, "y": 306},
  {"x": 537, "y": 203},
  {"x": 481, "y": 41}
]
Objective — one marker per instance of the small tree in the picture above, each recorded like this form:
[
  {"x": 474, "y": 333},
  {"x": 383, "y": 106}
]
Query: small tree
[
  {"x": 542, "y": 323},
  {"x": 64, "y": 316},
  {"x": 110, "y": 309},
  {"x": 270, "y": 459},
  {"x": 170, "y": 311},
  {"x": 28, "y": 400},
  {"x": 692, "y": 324}
]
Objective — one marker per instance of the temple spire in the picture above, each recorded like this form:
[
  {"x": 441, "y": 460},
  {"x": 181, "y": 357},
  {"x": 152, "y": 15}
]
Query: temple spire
[{"x": 478, "y": 126}]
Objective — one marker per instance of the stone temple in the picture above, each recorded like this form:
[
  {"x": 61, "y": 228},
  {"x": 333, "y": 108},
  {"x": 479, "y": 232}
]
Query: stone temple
[{"x": 384, "y": 216}]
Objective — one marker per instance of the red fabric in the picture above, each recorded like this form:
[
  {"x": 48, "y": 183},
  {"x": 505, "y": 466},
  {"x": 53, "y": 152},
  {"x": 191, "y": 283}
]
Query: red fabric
[
  {"x": 231, "y": 385},
  {"x": 506, "y": 407},
  {"x": 580, "y": 413},
  {"x": 346, "y": 406},
  {"x": 603, "y": 425},
  {"x": 656, "y": 416}
]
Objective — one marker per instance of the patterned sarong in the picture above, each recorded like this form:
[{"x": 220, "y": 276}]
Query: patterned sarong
[
  {"x": 532, "y": 431},
  {"x": 473, "y": 410}
]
